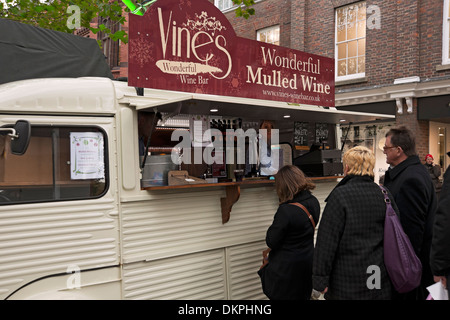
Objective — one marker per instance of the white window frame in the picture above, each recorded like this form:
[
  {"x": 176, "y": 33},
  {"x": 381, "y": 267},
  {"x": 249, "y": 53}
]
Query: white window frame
[
  {"x": 224, "y": 5},
  {"x": 352, "y": 76},
  {"x": 445, "y": 33},
  {"x": 268, "y": 29}
]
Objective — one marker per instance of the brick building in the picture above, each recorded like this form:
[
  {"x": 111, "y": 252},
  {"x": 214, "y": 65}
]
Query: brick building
[{"x": 391, "y": 56}]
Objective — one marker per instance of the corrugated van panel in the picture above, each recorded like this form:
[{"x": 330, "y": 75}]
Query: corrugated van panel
[
  {"x": 199, "y": 276},
  {"x": 42, "y": 239},
  {"x": 176, "y": 224},
  {"x": 243, "y": 264},
  {"x": 176, "y": 247},
  {"x": 321, "y": 192}
]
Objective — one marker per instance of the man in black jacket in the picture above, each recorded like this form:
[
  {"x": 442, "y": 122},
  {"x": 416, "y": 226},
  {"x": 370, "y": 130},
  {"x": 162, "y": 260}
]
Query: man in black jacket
[
  {"x": 413, "y": 191},
  {"x": 440, "y": 248}
]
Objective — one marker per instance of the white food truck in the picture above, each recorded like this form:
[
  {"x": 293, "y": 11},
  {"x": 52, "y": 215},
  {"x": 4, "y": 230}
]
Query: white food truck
[
  {"x": 75, "y": 219},
  {"x": 75, "y": 222}
]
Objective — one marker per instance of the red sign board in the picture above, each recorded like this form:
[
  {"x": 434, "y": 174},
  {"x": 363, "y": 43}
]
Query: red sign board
[{"x": 190, "y": 46}]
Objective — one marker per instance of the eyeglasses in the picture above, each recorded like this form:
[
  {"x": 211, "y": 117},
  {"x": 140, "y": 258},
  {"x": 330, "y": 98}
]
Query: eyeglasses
[{"x": 386, "y": 147}]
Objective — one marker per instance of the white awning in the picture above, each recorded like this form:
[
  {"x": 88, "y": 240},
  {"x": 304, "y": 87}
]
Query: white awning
[
  {"x": 100, "y": 95},
  {"x": 197, "y": 103}
]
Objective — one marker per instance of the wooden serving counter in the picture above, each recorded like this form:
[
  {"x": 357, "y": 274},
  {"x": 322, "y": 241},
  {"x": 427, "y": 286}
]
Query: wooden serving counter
[
  {"x": 252, "y": 182},
  {"x": 233, "y": 190}
]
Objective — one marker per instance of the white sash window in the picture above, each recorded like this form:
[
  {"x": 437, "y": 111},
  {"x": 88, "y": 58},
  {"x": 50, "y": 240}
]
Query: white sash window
[{"x": 350, "y": 50}]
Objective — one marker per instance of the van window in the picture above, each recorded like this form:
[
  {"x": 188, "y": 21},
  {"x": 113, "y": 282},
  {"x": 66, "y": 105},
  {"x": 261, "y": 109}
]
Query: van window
[{"x": 61, "y": 163}]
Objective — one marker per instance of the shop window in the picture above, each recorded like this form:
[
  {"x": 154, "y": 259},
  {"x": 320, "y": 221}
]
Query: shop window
[
  {"x": 446, "y": 33},
  {"x": 350, "y": 50},
  {"x": 223, "y": 4},
  {"x": 269, "y": 35},
  {"x": 61, "y": 163}
]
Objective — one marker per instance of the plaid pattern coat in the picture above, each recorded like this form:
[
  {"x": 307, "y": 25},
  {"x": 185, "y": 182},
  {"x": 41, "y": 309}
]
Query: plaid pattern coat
[{"x": 348, "y": 257}]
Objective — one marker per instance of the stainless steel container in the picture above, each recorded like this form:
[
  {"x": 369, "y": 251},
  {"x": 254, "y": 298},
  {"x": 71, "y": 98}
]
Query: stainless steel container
[{"x": 156, "y": 169}]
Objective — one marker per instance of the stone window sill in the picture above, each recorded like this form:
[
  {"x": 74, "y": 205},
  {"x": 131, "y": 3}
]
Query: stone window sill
[
  {"x": 351, "y": 81},
  {"x": 443, "y": 67}
]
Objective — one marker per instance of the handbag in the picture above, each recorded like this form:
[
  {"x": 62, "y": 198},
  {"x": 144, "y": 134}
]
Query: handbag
[{"x": 402, "y": 264}]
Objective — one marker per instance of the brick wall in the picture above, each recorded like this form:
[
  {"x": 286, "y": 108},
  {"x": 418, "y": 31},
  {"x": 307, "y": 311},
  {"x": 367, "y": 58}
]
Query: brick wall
[
  {"x": 123, "y": 54},
  {"x": 406, "y": 46},
  {"x": 320, "y": 28},
  {"x": 381, "y": 46},
  {"x": 409, "y": 42},
  {"x": 430, "y": 32},
  {"x": 420, "y": 128},
  {"x": 298, "y": 24},
  {"x": 268, "y": 13}
]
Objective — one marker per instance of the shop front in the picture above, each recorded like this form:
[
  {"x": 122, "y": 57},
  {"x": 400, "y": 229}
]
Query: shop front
[
  {"x": 436, "y": 110},
  {"x": 421, "y": 105}
]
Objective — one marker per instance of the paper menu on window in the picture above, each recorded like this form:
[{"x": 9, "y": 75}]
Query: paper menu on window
[{"x": 86, "y": 155}]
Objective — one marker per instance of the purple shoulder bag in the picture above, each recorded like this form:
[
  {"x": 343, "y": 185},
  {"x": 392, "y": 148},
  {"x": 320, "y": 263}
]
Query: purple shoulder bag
[{"x": 402, "y": 264}]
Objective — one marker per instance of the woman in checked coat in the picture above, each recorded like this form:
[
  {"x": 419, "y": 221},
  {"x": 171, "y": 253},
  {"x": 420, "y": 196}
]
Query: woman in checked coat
[{"x": 348, "y": 257}]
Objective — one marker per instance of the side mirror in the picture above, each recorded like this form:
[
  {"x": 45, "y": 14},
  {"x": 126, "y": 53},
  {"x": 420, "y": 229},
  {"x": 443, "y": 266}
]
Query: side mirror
[
  {"x": 20, "y": 142},
  {"x": 20, "y": 136}
]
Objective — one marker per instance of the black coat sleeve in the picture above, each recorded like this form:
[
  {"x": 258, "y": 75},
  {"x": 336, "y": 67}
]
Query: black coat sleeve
[
  {"x": 277, "y": 231},
  {"x": 413, "y": 201},
  {"x": 440, "y": 249}
]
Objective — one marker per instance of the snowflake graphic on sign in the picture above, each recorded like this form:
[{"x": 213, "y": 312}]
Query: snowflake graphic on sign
[{"x": 141, "y": 52}]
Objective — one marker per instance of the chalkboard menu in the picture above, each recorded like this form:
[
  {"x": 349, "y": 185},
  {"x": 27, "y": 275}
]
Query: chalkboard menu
[
  {"x": 321, "y": 132},
  {"x": 300, "y": 135}
]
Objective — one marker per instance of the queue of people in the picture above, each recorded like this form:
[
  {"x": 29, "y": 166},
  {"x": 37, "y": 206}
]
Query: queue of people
[{"x": 349, "y": 244}]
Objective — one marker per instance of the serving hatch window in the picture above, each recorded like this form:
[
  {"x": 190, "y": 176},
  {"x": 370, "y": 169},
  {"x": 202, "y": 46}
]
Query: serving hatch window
[{"x": 61, "y": 163}]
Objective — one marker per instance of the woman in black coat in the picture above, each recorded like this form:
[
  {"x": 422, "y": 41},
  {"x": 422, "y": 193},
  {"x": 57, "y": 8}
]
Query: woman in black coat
[
  {"x": 290, "y": 238},
  {"x": 348, "y": 258}
]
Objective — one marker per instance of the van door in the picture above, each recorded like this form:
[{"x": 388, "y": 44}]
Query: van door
[{"x": 58, "y": 201}]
